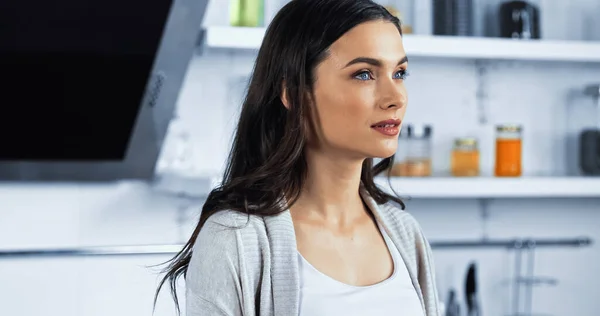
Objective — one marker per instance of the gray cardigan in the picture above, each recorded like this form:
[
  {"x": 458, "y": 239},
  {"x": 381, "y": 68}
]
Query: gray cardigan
[{"x": 253, "y": 270}]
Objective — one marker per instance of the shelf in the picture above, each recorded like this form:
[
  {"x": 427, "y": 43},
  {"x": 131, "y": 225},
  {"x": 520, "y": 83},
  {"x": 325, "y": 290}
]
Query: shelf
[
  {"x": 490, "y": 187},
  {"x": 429, "y": 188},
  {"x": 438, "y": 46}
]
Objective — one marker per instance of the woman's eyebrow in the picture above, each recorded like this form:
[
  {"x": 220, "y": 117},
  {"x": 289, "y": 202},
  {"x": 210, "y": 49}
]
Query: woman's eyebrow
[{"x": 372, "y": 61}]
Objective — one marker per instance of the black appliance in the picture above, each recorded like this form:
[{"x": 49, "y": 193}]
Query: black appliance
[
  {"x": 519, "y": 19},
  {"x": 89, "y": 87}
]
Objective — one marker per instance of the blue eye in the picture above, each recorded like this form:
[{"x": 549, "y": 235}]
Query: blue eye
[
  {"x": 366, "y": 75},
  {"x": 401, "y": 74},
  {"x": 363, "y": 75}
]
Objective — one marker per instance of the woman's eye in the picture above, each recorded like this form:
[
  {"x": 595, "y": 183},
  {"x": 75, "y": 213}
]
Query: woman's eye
[
  {"x": 363, "y": 75},
  {"x": 401, "y": 74}
]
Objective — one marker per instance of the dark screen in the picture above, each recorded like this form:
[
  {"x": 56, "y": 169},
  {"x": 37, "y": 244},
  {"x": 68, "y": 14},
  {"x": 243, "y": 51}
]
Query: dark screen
[{"x": 73, "y": 74}]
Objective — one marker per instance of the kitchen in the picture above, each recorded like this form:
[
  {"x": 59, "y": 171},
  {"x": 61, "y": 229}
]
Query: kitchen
[{"x": 50, "y": 231}]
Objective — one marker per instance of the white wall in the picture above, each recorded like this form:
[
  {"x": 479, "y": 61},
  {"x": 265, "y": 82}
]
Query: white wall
[{"x": 542, "y": 96}]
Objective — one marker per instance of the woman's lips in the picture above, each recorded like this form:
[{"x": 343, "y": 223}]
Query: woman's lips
[{"x": 388, "y": 127}]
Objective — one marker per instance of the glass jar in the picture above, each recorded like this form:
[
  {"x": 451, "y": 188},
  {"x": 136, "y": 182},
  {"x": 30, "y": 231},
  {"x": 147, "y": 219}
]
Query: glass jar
[
  {"x": 465, "y": 158},
  {"x": 399, "y": 168},
  {"x": 508, "y": 150},
  {"x": 414, "y": 152}
]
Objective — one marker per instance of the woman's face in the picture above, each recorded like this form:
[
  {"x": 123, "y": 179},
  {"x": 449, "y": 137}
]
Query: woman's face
[{"x": 359, "y": 94}]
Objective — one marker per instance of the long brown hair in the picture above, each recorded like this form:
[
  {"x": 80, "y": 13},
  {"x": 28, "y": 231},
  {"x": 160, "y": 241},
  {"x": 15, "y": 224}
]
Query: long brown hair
[{"x": 266, "y": 162}]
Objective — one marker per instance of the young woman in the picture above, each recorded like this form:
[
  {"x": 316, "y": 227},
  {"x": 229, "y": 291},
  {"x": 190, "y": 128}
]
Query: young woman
[{"x": 298, "y": 226}]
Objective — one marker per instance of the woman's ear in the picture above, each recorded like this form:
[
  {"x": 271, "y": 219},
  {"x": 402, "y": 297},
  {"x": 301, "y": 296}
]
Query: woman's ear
[{"x": 284, "y": 95}]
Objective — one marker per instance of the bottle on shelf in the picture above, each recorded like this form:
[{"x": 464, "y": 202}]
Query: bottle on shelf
[{"x": 247, "y": 13}]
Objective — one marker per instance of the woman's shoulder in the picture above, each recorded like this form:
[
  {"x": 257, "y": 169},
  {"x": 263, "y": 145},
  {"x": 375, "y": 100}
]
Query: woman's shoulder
[
  {"x": 234, "y": 219},
  {"x": 226, "y": 252},
  {"x": 399, "y": 217},
  {"x": 226, "y": 237},
  {"x": 403, "y": 225},
  {"x": 224, "y": 228}
]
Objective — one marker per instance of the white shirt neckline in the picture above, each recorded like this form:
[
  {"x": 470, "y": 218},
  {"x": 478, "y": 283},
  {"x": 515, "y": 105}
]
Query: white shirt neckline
[{"x": 389, "y": 246}]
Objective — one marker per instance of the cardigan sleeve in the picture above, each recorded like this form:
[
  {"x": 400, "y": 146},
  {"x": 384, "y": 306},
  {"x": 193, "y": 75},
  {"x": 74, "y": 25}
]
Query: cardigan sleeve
[
  {"x": 425, "y": 269},
  {"x": 213, "y": 280}
]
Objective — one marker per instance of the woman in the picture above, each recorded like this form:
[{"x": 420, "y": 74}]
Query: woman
[{"x": 298, "y": 226}]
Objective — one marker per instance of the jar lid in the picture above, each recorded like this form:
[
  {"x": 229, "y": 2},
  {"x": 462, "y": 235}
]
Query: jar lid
[
  {"x": 509, "y": 128},
  {"x": 418, "y": 130},
  {"x": 465, "y": 141}
]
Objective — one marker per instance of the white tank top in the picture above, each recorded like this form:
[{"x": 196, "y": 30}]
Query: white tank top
[{"x": 323, "y": 295}]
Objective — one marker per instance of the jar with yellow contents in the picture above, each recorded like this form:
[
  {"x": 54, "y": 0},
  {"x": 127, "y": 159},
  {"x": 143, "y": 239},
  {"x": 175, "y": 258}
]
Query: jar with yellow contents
[{"x": 465, "y": 158}]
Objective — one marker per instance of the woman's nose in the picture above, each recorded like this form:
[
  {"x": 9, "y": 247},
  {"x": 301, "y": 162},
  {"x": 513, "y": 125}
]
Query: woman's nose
[{"x": 394, "y": 96}]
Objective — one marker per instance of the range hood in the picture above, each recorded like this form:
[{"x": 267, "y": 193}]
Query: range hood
[{"x": 88, "y": 88}]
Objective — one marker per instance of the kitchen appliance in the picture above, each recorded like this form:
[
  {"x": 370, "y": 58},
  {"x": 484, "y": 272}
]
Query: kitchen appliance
[
  {"x": 589, "y": 139},
  {"x": 519, "y": 19},
  {"x": 89, "y": 87}
]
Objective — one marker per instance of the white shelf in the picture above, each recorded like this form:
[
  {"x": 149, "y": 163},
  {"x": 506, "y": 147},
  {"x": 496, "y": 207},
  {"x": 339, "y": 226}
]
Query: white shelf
[
  {"x": 439, "y": 46},
  {"x": 491, "y": 187}
]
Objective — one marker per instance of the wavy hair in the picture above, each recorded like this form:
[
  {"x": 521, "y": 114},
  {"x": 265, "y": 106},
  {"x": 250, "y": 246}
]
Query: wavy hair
[{"x": 266, "y": 162}]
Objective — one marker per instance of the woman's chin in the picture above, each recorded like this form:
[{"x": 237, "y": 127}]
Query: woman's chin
[{"x": 384, "y": 153}]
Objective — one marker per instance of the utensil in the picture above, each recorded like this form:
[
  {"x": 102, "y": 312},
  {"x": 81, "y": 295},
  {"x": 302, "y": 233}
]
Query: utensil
[
  {"x": 452, "y": 308},
  {"x": 471, "y": 292}
]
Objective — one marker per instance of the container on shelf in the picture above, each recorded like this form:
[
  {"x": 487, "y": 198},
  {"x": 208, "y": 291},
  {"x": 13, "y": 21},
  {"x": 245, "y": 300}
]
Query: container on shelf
[
  {"x": 465, "y": 158},
  {"x": 453, "y": 17},
  {"x": 413, "y": 157},
  {"x": 508, "y": 150},
  {"x": 520, "y": 19},
  {"x": 399, "y": 169},
  {"x": 248, "y": 13}
]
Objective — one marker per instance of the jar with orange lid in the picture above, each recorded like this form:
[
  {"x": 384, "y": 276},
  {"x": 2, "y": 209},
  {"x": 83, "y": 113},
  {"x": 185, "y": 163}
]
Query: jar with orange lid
[
  {"x": 465, "y": 158},
  {"x": 508, "y": 151}
]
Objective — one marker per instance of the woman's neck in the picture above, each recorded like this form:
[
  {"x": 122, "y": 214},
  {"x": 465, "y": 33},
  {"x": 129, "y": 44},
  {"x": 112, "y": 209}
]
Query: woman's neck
[{"x": 331, "y": 190}]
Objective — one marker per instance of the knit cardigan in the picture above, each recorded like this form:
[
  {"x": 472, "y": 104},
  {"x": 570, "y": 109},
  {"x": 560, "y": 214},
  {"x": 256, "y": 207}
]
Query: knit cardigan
[{"x": 252, "y": 269}]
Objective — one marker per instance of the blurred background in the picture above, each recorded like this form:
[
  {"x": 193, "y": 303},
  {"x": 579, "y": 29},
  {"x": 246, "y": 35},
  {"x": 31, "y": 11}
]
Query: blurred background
[{"x": 499, "y": 156}]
